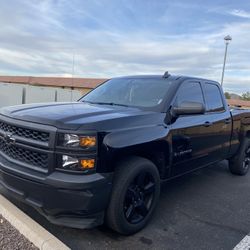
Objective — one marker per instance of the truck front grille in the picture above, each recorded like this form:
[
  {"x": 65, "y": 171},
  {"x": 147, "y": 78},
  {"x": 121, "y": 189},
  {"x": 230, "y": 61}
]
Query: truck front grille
[
  {"x": 32, "y": 158},
  {"x": 24, "y": 132},
  {"x": 27, "y": 145}
]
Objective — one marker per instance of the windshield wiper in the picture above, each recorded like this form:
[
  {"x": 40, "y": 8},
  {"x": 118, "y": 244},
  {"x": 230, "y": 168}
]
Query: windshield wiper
[{"x": 109, "y": 103}]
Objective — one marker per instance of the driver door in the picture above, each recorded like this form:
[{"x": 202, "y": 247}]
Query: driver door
[{"x": 189, "y": 132}]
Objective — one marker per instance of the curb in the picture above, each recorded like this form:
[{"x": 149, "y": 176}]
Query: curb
[{"x": 35, "y": 233}]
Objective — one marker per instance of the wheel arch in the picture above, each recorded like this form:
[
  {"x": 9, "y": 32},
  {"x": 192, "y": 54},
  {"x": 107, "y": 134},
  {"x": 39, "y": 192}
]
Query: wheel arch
[{"x": 157, "y": 152}]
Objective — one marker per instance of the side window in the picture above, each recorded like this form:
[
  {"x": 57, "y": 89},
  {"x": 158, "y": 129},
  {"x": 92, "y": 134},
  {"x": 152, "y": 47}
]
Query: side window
[
  {"x": 213, "y": 98},
  {"x": 190, "y": 92}
]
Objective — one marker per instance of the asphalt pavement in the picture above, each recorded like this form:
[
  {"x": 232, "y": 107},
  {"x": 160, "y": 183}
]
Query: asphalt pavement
[{"x": 207, "y": 209}]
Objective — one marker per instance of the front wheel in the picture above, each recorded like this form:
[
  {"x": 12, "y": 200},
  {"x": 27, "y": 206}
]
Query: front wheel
[
  {"x": 135, "y": 193},
  {"x": 240, "y": 164}
]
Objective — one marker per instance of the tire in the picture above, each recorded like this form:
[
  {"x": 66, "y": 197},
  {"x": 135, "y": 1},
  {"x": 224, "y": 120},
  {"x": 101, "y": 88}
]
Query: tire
[
  {"x": 240, "y": 163},
  {"x": 135, "y": 193}
]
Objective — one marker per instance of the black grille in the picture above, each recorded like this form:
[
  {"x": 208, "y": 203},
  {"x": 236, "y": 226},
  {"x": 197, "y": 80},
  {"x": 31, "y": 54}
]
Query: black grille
[
  {"x": 24, "y": 132},
  {"x": 23, "y": 155}
]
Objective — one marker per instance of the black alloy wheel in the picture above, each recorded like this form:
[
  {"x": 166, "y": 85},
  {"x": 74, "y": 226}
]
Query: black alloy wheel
[
  {"x": 139, "y": 197},
  {"x": 246, "y": 161},
  {"x": 135, "y": 194},
  {"x": 239, "y": 164}
]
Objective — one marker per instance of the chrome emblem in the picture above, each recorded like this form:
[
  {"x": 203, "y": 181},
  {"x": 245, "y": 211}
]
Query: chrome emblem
[{"x": 8, "y": 138}]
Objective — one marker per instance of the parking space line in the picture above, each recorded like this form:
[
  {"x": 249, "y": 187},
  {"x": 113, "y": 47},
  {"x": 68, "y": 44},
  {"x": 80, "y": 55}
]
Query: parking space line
[{"x": 244, "y": 244}]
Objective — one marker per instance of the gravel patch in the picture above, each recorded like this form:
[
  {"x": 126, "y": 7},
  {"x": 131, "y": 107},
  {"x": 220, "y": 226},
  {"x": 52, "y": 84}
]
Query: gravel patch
[{"x": 11, "y": 239}]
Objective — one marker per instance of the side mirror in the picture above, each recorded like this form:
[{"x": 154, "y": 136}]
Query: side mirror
[{"x": 188, "y": 108}]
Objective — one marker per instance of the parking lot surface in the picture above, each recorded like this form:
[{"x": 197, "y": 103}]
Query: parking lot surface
[{"x": 207, "y": 209}]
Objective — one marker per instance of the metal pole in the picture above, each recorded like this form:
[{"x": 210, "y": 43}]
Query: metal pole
[
  {"x": 224, "y": 65},
  {"x": 56, "y": 95},
  {"x": 24, "y": 95},
  {"x": 72, "y": 79}
]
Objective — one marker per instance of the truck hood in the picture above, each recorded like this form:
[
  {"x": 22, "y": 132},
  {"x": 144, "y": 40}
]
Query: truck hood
[{"x": 74, "y": 115}]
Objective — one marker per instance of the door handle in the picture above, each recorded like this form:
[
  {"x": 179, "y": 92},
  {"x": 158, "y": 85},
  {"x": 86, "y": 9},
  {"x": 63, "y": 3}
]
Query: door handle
[
  {"x": 227, "y": 121},
  {"x": 208, "y": 124}
]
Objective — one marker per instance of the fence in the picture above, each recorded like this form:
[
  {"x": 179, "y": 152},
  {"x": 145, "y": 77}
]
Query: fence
[{"x": 15, "y": 94}]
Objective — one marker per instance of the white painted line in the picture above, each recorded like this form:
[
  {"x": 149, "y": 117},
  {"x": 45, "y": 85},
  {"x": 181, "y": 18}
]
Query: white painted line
[
  {"x": 35, "y": 233},
  {"x": 244, "y": 244}
]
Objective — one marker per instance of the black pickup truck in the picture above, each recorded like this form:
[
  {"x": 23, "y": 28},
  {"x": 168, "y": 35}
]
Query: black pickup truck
[{"x": 102, "y": 159}]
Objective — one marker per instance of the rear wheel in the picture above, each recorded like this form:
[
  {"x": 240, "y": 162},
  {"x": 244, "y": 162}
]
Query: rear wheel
[
  {"x": 240, "y": 163},
  {"x": 135, "y": 193}
]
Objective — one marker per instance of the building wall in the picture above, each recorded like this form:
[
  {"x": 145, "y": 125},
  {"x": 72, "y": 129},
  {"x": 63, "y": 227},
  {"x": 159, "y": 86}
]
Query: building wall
[
  {"x": 10, "y": 94},
  {"x": 15, "y": 94},
  {"x": 239, "y": 103}
]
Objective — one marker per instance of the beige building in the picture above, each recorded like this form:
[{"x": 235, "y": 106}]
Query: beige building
[
  {"x": 239, "y": 103},
  {"x": 82, "y": 84}
]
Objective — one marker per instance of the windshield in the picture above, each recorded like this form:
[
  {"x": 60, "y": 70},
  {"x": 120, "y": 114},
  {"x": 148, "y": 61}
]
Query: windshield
[{"x": 130, "y": 92}]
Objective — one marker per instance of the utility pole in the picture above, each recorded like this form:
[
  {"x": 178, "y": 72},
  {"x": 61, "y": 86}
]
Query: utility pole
[{"x": 227, "y": 40}]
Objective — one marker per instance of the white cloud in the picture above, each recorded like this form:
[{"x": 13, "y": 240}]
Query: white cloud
[
  {"x": 40, "y": 41},
  {"x": 240, "y": 13}
]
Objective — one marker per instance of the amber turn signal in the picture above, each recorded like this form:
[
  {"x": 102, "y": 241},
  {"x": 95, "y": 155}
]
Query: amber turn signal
[
  {"x": 87, "y": 163},
  {"x": 87, "y": 141}
]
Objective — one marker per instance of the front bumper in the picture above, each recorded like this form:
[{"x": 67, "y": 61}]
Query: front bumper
[{"x": 77, "y": 201}]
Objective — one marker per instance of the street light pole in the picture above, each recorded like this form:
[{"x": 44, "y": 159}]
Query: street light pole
[{"x": 227, "y": 40}]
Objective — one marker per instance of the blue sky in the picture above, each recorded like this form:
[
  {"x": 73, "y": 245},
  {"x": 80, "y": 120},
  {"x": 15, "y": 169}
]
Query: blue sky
[{"x": 123, "y": 37}]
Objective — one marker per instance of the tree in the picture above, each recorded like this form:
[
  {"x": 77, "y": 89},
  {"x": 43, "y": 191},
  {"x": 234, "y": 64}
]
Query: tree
[
  {"x": 227, "y": 95},
  {"x": 246, "y": 96}
]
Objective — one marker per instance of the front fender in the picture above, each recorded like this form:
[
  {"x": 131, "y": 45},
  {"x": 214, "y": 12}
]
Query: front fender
[{"x": 143, "y": 141}]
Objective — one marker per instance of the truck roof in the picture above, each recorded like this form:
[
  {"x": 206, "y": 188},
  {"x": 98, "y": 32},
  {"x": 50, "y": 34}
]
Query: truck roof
[{"x": 171, "y": 77}]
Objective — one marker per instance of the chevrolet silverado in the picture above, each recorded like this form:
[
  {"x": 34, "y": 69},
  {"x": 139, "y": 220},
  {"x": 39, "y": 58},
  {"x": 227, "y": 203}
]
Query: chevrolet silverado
[{"x": 102, "y": 159}]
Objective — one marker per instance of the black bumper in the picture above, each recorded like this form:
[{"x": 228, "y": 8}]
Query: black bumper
[{"x": 70, "y": 200}]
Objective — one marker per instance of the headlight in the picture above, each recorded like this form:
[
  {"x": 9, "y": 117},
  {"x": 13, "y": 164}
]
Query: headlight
[
  {"x": 75, "y": 164},
  {"x": 72, "y": 140},
  {"x": 69, "y": 162}
]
